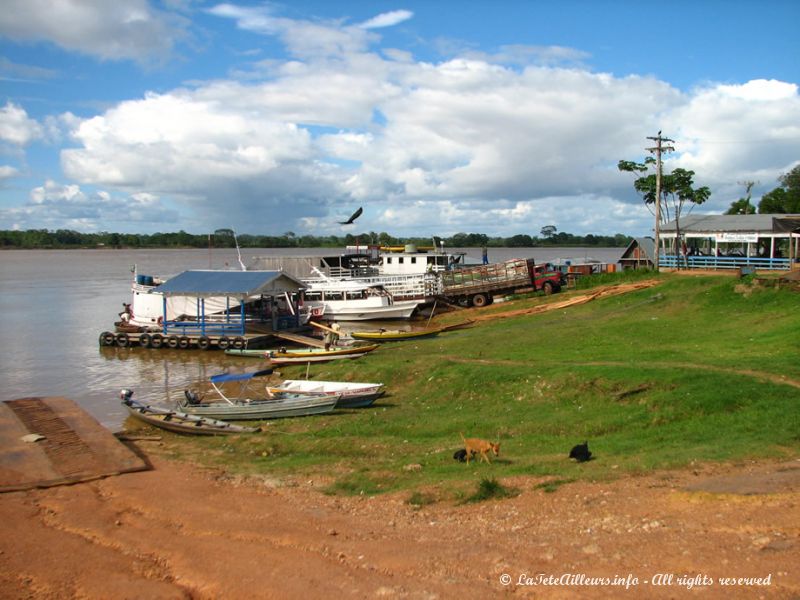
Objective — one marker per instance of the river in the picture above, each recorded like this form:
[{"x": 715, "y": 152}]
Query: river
[{"x": 55, "y": 304}]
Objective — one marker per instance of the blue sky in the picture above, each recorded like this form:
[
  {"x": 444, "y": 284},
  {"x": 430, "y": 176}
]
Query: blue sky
[{"x": 437, "y": 117}]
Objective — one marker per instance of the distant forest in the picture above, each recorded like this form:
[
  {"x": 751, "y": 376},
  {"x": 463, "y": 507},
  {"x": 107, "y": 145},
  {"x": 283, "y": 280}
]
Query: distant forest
[{"x": 224, "y": 238}]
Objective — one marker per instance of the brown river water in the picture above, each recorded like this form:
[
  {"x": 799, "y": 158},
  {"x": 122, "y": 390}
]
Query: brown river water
[{"x": 55, "y": 303}]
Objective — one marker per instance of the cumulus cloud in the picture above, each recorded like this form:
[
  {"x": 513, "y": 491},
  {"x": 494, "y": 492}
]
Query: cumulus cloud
[
  {"x": 132, "y": 29},
  {"x": 16, "y": 127},
  {"x": 729, "y": 133},
  {"x": 67, "y": 206},
  {"x": 499, "y": 144}
]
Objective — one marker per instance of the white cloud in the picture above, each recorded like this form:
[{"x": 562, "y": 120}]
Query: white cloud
[
  {"x": 132, "y": 29},
  {"x": 7, "y": 172},
  {"x": 67, "y": 206},
  {"x": 467, "y": 144},
  {"x": 728, "y": 134},
  {"x": 388, "y": 19},
  {"x": 16, "y": 127}
]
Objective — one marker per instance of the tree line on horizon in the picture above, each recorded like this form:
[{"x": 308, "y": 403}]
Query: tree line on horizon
[{"x": 224, "y": 238}]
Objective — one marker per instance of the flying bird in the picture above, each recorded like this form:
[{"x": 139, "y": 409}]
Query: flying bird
[{"x": 353, "y": 217}]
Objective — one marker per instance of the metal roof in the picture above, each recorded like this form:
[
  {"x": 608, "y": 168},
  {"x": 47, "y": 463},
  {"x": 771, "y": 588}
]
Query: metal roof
[
  {"x": 237, "y": 284},
  {"x": 768, "y": 223},
  {"x": 647, "y": 245}
]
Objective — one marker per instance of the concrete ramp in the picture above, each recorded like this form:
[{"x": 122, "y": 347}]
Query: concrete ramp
[{"x": 72, "y": 446}]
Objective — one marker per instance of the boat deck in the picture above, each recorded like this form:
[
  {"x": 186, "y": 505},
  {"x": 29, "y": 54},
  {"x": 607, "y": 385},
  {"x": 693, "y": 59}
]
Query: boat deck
[{"x": 73, "y": 446}]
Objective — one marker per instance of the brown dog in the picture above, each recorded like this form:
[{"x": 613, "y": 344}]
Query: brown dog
[{"x": 474, "y": 446}]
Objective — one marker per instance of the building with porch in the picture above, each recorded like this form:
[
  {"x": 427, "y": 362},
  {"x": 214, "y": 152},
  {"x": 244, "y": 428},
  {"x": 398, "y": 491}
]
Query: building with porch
[{"x": 765, "y": 242}]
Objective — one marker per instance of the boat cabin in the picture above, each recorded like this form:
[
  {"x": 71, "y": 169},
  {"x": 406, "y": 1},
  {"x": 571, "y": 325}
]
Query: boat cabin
[{"x": 243, "y": 292}]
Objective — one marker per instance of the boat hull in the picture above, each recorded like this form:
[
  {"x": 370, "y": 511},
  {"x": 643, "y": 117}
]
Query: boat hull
[
  {"x": 181, "y": 422},
  {"x": 393, "y": 336},
  {"x": 352, "y": 394},
  {"x": 277, "y": 408}
]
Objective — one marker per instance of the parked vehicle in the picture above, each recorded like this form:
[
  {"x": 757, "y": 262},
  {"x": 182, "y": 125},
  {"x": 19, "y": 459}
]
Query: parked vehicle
[{"x": 479, "y": 285}]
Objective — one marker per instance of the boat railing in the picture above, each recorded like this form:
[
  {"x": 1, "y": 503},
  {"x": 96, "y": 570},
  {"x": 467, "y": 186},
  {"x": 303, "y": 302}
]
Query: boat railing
[
  {"x": 701, "y": 261},
  {"x": 203, "y": 328}
]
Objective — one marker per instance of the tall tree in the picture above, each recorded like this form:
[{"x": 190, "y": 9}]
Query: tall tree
[
  {"x": 677, "y": 190},
  {"x": 783, "y": 199}
]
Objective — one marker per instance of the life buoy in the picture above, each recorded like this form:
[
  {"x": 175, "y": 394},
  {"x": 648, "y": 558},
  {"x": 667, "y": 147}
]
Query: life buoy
[
  {"x": 238, "y": 342},
  {"x": 144, "y": 340},
  {"x": 184, "y": 342},
  {"x": 107, "y": 338},
  {"x": 223, "y": 342},
  {"x": 203, "y": 343},
  {"x": 172, "y": 341},
  {"x": 123, "y": 340},
  {"x": 157, "y": 340}
]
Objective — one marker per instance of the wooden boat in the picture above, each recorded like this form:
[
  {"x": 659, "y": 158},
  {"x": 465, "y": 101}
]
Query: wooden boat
[
  {"x": 311, "y": 358},
  {"x": 394, "y": 335},
  {"x": 179, "y": 422},
  {"x": 305, "y": 353},
  {"x": 352, "y": 394},
  {"x": 268, "y": 405}
]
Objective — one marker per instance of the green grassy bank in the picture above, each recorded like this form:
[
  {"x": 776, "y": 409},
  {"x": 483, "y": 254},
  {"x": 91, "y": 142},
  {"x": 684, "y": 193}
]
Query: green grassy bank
[{"x": 693, "y": 369}]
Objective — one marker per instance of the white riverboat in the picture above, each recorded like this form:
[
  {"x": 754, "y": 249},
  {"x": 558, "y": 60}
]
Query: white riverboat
[{"x": 354, "y": 300}]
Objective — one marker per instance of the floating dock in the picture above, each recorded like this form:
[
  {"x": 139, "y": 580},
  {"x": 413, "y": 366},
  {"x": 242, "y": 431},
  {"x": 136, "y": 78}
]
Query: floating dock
[{"x": 185, "y": 341}]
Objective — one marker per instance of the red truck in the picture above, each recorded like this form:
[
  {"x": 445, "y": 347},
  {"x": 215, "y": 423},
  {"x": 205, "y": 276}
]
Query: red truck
[{"x": 478, "y": 285}]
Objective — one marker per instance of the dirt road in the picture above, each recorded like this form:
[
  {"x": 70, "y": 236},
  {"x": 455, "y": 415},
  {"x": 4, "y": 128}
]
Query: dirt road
[{"x": 179, "y": 531}]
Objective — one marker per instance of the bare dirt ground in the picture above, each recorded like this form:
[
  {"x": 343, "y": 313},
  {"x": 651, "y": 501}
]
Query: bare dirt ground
[{"x": 181, "y": 531}]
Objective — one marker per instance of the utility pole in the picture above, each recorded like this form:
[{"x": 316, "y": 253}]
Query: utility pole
[{"x": 658, "y": 150}]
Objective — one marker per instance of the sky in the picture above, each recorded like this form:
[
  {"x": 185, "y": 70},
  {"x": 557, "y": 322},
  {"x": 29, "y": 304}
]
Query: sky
[{"x": 437, "y": 117}]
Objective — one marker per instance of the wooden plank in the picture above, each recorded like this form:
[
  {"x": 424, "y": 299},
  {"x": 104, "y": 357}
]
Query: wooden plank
[
  {"x": 75, "y": 447},
  {"x": 300, "y": 339}
]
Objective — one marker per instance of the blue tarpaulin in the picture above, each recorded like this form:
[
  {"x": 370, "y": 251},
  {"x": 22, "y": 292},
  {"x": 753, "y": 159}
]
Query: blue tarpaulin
[{"x": 239, "y": 376}]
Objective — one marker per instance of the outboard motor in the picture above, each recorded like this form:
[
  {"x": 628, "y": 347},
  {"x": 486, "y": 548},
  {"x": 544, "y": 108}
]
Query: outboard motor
[
  {"x": 125, "y": 395},
  {"x": 191, "y": 397}
]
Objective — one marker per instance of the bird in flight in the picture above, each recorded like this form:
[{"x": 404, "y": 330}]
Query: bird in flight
[{"x": 353, "y": 217}]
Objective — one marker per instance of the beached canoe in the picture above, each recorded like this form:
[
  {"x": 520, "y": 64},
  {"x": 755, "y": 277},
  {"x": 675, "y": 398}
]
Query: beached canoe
[
  {"x": 305, "y": 353},
  {"x": 179, "y": 422},
  {"x": 394, "y": 335}
]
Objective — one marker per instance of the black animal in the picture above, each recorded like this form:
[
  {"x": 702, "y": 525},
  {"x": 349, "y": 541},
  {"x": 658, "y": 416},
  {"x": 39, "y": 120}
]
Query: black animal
[
  {"x": 460, "y": 455},
  {"x": 581, "y": 452},
  {"x": 353, "y": 217}
]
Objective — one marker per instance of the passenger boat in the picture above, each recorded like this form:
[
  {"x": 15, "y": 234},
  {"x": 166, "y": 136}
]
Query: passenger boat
[
  {"x": 177, "y": 421},
  {"x": 270, "y": 405},
  {"x": 352, "y": 300},
  {"x": 352, "y": 394}
]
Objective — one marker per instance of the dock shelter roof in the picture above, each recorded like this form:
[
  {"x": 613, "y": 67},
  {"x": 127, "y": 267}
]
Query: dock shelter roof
[
  {"x": 769, "y": 223},
  {"x": 235, "y": 284}
]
